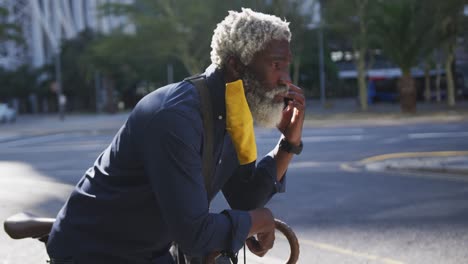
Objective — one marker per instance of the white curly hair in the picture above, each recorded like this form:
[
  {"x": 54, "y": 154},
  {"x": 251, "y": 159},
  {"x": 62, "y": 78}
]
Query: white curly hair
[{"x": 245, "y": 33}]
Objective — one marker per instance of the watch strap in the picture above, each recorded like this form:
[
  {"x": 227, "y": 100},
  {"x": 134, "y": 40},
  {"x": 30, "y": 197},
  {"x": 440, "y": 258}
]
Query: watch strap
[{"x": 290, "y": 148}]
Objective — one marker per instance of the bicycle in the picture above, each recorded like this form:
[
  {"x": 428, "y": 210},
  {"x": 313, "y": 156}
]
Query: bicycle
[{"x": 26, "y": 225}]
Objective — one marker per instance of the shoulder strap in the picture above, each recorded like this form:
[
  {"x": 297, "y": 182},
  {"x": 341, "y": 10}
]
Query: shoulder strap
[{"x": 208, "y": 128}]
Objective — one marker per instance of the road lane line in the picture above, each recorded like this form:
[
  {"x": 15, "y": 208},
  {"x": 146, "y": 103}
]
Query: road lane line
[
  {"x": 314, "y": 164},
  {"x": 348, "y": 252},
  {"x": 48, "y": 149},
  {"x": 413, "y": 155},
  {"x": 349, "y": 168},
  {"x": 437, "y": 135},
  {"x": 332, "y": 138},
  {"x": 315, "y": 139},
  {"x": 34, "y": 140}
]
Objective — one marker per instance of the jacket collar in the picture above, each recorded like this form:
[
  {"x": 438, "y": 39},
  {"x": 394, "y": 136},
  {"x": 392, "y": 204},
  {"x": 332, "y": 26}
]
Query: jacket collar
[{"x": 217, "y": 86}]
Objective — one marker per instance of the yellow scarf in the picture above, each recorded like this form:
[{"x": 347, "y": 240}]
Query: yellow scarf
[{"x": 239, "y": 123}]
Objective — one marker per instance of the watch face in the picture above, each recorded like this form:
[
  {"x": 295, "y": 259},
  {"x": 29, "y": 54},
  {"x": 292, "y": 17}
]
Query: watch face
[{"x": 286, "y": 146}]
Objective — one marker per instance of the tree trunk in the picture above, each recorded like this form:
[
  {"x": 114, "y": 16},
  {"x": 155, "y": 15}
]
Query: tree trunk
[
  {"x": 449, "y": 78},
  {"x": 407, "y": 93},
  {"x": 427, "y": 83},
  {"x": 361, "y": 63},
  {"x": 361, "y": 67},
  {"x": 438, "y": 77},
  {"x": 110, "y": 104}
]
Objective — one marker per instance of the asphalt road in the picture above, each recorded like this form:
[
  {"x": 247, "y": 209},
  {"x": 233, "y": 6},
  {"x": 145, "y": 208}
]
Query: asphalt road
[{"x": 339, "y": 215}]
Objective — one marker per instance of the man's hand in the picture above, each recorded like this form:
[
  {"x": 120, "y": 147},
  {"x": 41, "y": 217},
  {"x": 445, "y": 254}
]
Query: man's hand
[
  {"x": 263, "y": 226},
  {"x": 292, "y": 119},
  {"x": 262, "y": 243}
]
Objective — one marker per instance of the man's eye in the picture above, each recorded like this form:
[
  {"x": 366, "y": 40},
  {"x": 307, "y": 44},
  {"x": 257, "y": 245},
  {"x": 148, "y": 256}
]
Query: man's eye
[{"x": 276, "y": 65}]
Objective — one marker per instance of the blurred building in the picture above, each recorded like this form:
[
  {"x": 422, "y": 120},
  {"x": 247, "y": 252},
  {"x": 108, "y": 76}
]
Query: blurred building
[{"x": 45, "y": 23}]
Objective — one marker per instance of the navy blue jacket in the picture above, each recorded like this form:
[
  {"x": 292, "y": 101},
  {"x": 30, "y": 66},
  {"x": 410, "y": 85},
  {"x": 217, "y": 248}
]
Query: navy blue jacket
[{"x": 146, "y": 189}]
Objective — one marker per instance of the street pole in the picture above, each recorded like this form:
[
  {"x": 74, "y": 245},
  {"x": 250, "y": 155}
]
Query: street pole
[
  {"x": 61, "y": 100},
  {"x": 317, "y": 23},
  {"x": 321, "y": 66},
  {"x": 97, "y": 86},
  {"x": 170, "y": 73}
]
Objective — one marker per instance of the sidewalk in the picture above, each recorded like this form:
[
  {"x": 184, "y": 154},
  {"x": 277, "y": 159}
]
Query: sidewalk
[
  {"x": 335, "y": 113},
  {"x": 46, "y": 124},
  {"x": 446, "y": 162}
]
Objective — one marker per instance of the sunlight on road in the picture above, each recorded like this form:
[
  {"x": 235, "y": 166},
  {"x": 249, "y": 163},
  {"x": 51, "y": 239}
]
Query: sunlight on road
[
  {"x": 346, "y": 253},
  {"x": 26, "y": 188},
  {"x": 324, "y": 253}
]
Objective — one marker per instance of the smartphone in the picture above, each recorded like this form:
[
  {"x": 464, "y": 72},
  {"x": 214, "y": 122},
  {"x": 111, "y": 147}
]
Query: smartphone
[{"x": 286, "y": 101}]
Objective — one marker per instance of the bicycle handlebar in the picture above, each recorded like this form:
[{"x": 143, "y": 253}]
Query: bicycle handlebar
[
  {"x": 292, "y": 239},
  {"x": 25, "y": 225},
  {"x": 286, "y": 231}
]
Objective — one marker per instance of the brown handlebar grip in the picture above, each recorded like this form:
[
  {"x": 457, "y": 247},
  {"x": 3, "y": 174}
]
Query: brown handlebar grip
[
  {"x": 286, "y": 231},
  {"x": 292, "y": 239}
]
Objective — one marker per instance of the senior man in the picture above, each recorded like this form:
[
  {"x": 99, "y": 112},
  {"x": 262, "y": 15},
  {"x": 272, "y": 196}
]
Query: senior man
[{"x": 147, "y": 191}]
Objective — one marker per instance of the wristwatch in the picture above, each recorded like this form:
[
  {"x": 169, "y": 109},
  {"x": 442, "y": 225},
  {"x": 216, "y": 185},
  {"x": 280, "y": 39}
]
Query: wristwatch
[{"x": 290, "y": 148}]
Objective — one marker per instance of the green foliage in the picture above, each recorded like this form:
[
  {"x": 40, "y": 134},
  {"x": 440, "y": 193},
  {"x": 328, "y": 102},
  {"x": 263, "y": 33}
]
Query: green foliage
[
  {"x": 165, "y": 29},
  {"x": 76, "y": 84},
  {"x": 175, "y": 32},
  {"x": 310, "y": 76},
  {"x": 14, "y": 83},
  {"x": 18, "y": 83},
  {"x": 450, "y": 20},
  {"x": 406, "y": 32},
  {"x": 350, "y": 22},
  {"x": 9, "y": 31}
]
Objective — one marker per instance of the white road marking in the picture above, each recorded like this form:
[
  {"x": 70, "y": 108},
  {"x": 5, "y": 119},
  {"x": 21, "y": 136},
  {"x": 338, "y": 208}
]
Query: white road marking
[
  {"x": 316, "y": 139},
  {"x": 343, "y": 131},
  {"x": 34, "y": 140},
  {"x": 333, "y": 138},
  {"x": 437, "y": 135},
  {"x": 314, "y": 164},
  {"x": 38, "y": 149}
]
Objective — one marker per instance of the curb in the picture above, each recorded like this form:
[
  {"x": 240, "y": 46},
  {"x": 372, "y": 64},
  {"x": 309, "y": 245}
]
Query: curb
[
  {"x": 441, "y": 162},
  {"x": 451, "y": 171},
  {"x": 53, "y": 132}
]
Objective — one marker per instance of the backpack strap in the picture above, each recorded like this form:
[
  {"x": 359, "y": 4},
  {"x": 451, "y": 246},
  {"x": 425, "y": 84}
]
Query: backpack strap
[{"x": 208, "y": 129}]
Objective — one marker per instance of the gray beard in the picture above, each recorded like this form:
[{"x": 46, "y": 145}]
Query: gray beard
[{"x": 265, "y": 111}]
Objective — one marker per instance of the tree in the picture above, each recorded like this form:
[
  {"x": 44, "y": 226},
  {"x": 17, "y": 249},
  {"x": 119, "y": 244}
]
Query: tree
[
  {"x": 76, "y": 83},
  {"x": 176, "y": 33},
  {"x": 450, "y": 17},
  {"x": 350, "y": 20},
  {"x": 177, "y": 29},
  {"x": 429, "y": 64},
  {"x": 8, "y": 31},
  {"x": 166, "y": 33},
  {"x": 18, "y": 84},
  {"x": 404, "y": 30},
  {"x": 299, "y": 21}
]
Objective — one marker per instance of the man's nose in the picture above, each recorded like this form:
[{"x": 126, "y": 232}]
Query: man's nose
[{"x": 285, "y": 77}]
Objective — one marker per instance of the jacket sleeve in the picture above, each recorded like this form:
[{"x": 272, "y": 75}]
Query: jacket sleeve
[
  {"x": 252, "y": 186},
  {"x": 171, "y": 155}
]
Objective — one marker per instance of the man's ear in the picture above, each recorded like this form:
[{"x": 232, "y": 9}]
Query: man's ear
[{"x": 234, "y": 69}]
